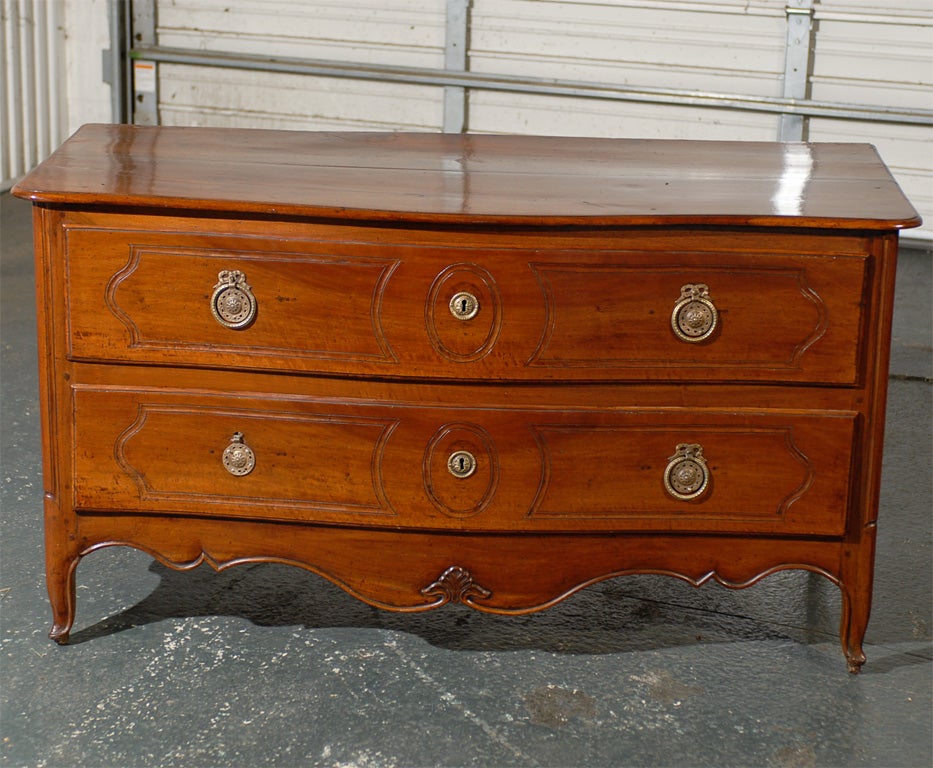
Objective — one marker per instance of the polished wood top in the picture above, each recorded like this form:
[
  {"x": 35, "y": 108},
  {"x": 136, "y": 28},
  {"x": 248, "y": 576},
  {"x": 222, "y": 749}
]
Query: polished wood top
[{"x": 459, "y": 178}]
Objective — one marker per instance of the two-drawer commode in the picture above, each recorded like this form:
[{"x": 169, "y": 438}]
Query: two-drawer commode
[{"x": 480, "y": 369}]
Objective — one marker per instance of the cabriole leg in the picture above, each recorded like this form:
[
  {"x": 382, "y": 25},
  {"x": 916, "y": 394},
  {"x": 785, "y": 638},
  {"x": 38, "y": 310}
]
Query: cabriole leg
[
  {"x": 852, "y": 628},
  {"x": 60, "y": 580},
  {"x": 856, "y": 607}
]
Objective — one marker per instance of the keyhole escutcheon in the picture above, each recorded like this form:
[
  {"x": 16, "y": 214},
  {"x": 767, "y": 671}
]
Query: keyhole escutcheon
[
  {"x": 464, "y": 305},
  {"x": 461, "y": 464}
]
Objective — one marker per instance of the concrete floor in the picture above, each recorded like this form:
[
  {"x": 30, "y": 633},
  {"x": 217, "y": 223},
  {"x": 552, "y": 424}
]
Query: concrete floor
[{"x": 269, "y": 665}]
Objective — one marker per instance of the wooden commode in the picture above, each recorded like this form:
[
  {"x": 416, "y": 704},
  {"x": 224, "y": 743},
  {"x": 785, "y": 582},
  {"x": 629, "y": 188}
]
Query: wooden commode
[{"x": 449, "y": 368}]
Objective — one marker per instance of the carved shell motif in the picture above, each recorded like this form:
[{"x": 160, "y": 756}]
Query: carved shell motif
[{"x": 455, "y": 585}]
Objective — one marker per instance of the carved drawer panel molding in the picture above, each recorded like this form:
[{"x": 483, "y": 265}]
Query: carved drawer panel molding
[
  {"x": 792, "y": 477},
  {"x": 771, "y": 321},
  {"x": 387, "y": 307},
  {"x": 307, "y": 306},
  {"x": 508, "y": 469},
  {"x": 170, "y": 456}
]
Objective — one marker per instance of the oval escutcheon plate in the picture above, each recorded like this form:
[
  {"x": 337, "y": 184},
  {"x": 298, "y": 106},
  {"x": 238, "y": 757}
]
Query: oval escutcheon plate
[
  {"x": 461, "y": 469},
  {"x": 463, "y": 313}
]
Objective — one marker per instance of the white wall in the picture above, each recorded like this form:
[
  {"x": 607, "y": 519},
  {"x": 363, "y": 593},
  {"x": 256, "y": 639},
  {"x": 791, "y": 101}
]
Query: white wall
[
  {"x": 86, "y": 34},
  {"x": 51, "y": 77},
  {"x": 32, "y": 88},
  {"x": 396, "y": 32}
]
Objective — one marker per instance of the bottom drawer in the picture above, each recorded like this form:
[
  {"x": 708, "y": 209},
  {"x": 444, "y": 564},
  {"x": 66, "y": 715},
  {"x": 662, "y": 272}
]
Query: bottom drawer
[{"x": 481, "y": 469}]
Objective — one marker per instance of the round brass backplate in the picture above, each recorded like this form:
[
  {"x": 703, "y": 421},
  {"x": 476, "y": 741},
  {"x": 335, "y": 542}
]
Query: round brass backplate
[
  {"x": 232, "y": 303},
  {"x": 238, "y": 458},
  {"x": 695, "y": 317},
  {"x": 687, "y": 476}
]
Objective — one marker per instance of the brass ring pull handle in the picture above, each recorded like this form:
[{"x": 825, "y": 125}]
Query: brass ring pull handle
[
  {"x": 461, "y": 464},
  {"x": 464, "y": 305},
  {"x": 687, "y": 475},
  {"x": 238, "y": 457},
  {"x": 232, "y": 303},
  {"x": 695, "y": 316}
]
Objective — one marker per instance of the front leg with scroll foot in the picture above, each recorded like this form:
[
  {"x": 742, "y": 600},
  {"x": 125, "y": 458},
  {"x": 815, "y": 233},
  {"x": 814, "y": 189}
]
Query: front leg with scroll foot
[
  {"x": 60, "y": 580},
  {"x": 852, "y": 629},
  {"x": 855, "y": 659}
]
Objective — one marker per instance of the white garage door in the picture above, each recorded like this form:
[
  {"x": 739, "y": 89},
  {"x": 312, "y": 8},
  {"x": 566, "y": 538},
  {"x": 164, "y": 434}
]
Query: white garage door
[{"x": 851, "y": 70}]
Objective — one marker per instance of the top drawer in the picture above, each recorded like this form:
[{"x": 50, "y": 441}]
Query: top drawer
[{"x": 349, "y": 301}]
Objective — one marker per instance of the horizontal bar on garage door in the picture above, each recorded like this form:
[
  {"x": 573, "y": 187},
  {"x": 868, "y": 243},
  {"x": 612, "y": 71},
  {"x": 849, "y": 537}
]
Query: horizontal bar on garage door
[{"x": 544, "y": 86}]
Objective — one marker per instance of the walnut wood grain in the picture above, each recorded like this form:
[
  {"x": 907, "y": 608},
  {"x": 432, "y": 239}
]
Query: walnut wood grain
[
  {"x": 371, "y": 462},
  {"x": 532, "y": 180},
  {"x": 354, "y": 384},
  {"x": 355, "y": 300}
]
